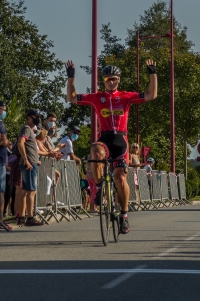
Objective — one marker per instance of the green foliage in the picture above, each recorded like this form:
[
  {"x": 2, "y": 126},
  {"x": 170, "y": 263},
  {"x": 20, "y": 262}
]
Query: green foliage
[
  {"x": 193, "y": 182},
  {"x": 192, "y": 188},
  {"x": 154, "y": 116},
  {"x": 27, "y": 66}
]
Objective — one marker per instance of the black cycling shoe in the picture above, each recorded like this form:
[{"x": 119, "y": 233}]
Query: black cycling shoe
[
  {"x": 97, "y": 199},
  {"x": 124, "y": 225}
]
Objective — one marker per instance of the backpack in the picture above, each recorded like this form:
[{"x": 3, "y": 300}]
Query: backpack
[{"x": 15, "y": 147}]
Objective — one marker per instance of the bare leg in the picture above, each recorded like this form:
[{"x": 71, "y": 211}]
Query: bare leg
[
  {"x": 98, "y": 153},
  {"x": 18, "y": 200},
  {"x": 30, "y": 198},
  {"x": 122, "y": 188},
  {"x": 22, "y": 203}
]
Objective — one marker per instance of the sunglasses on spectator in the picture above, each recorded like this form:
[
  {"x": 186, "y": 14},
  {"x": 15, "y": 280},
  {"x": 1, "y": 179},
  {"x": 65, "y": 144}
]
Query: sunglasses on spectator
[
  {"x": 134, "y": 146},
  {"x": 109, "y": 79}
]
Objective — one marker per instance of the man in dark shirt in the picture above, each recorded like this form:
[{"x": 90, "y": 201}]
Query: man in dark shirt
[{"x": 29, "y": 165}]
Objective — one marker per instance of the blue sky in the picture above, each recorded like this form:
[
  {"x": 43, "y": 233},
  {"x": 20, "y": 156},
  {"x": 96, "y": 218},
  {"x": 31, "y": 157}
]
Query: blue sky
[{"x": 68, "y": 24}]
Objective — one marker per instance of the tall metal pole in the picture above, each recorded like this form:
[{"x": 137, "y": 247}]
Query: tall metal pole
[
  {"x": 137, "y": 87},
  {"x": 94, "y": 68},
  {"x": 172, "y": 138}
]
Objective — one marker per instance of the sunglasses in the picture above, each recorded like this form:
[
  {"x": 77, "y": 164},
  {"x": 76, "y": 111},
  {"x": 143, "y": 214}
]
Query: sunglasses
[
  {"x": 109, "y": 79},
  {"x": 134, "y": 146}
]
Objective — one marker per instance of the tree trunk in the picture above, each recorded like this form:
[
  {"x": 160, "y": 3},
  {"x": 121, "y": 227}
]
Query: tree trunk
[{"x": 185, "y": 156}]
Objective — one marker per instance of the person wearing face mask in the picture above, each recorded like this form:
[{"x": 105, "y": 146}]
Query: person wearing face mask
[
  {"x": 29, "y": 165},
  {"x": 4, "y": 143},
  {"x": 50, "y": 125},
  {"x": 68, "y": 140}
]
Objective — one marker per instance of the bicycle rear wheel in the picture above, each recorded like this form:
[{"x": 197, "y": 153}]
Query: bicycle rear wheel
[{"x": 105, "y": 211}]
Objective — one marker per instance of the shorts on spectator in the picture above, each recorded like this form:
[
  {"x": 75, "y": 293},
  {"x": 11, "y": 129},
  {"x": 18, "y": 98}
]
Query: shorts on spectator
[
  {"x": 29, "y": 177},
  {"x": 2, "y": 178}
]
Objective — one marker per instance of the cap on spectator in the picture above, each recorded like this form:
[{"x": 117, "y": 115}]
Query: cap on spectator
[
  {"x": 35, "y": 112},
  {"x": 74, "y": 128},
  {"x": 2, "y": 103}
]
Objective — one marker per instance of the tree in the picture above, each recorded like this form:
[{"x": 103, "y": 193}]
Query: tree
[
  {"x": 155, "y": 115},
  {"x": 27, "y": 63}
]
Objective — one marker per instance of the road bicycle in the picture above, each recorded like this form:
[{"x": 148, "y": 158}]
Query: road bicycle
[{"x": 109, "y": 207}]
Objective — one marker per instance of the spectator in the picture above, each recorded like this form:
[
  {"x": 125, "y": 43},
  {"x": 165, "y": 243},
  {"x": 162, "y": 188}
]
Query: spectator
[
  {"x": 4, "y": 142},
  {"x": 68, "y": 140},
  {"x": 92, "y": 185},
  {"x": 134, "y": 161},
  {"x": 134, "y": 156},
  {"x": 10, "y": 190},
  {"x": 148, "y": 166},
  {"x": 29, "y": 165},
  {"x": 16, "y": 181},
  {"x": 50, "y": 126}
]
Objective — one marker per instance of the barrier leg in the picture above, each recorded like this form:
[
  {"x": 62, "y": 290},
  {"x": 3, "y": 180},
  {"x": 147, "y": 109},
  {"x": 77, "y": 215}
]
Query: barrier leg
[
  {"x": 42, "y": 217},
  {"x": 131, "y": 208},
  {"x": 63, "y": 215},
  {"x": 81, "y": 208},
  {"x": 73, "y": 212},
  {"x": 4, "y": 226},
  {"x": 188, "y": 202}
]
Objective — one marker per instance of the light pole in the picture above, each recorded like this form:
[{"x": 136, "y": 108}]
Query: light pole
[
  {"x": 94, "y": 68},
  {"x": 139, "y": 39},
  {"x": 172, "y": 124}
]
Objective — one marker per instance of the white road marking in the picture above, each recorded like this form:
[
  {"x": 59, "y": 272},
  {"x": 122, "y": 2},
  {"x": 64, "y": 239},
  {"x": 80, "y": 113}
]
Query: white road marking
[
  {"x": 122, "y": 278},
  {"x": 175, "y": 247},
  {"x": 102, "y": 271}
]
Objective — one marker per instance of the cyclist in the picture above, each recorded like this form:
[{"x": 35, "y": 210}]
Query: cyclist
[{"x": 112, "y": 108}]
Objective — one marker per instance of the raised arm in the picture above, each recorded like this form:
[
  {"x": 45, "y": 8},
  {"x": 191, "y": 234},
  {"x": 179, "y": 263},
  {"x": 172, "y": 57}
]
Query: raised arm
[
  {"x": 71, "y": 91},
  {"x": 153, "y": 86}
]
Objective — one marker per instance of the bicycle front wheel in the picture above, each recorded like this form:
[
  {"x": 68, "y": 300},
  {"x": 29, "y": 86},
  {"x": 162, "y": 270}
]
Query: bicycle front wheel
[
  {"x": 115, "y": 221},
  {"x": 105, "y": 210}
]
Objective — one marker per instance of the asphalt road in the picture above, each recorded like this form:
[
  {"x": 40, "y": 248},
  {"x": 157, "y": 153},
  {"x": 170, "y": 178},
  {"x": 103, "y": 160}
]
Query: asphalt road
[{"x": 157, "y": 261}]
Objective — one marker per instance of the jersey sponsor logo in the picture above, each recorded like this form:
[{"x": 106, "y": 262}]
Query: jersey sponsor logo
[
  {"x": 117, "y": 99},
  {"x": 103, "y": 99},
  {"x": 106, "y": 112}
]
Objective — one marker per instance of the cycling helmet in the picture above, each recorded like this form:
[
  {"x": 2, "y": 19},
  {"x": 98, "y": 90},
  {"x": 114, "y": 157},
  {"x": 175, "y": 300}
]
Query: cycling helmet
[
  {"x": 151, "y": 160},
  {"x": 111, "y": 70}
]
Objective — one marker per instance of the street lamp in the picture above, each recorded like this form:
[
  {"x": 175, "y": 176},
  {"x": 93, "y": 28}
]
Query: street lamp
[
  {"x": 139, "y": 39},
  {"x": 172, "y": 123}
]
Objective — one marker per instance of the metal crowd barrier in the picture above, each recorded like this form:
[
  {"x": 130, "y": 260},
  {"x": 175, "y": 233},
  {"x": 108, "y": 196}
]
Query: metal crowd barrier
[
  {"x": 174, "y": 193},
  {"x": 182, "y": 188},
  {"x": 160, "y": 189},
  {"x": 164, "y": 182},
  {"x": 156, "y": 188},
  {"x": 65, "y": 197},
  {"x": 134, "y": 198}
]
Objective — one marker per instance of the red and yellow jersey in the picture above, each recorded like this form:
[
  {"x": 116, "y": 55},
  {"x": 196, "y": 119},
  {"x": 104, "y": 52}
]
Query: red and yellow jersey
[{"x": 112, "y": 108}]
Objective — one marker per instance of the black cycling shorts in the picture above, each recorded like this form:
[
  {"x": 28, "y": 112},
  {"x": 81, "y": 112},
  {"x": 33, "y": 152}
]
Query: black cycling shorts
[{"x": 116, "y": 143}]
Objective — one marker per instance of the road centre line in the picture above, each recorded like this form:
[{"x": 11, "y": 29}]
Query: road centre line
[
  {"x": 175, "y": 247},
  {"x": 103, "y": 271}
]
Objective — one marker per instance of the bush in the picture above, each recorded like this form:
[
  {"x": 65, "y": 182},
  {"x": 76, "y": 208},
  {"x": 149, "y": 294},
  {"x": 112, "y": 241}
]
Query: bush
[{"x": 192, "y": 188}]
